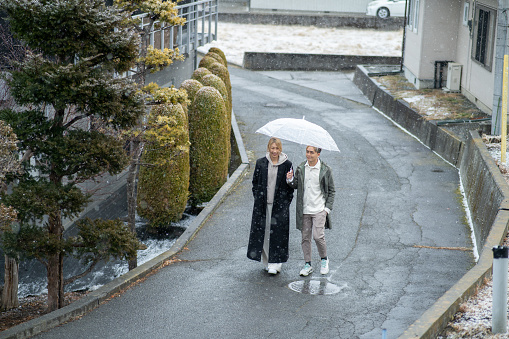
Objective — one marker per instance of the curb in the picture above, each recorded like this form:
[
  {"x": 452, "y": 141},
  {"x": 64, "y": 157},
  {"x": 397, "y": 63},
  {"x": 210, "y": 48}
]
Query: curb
[
  {"x": 97, "y": 297},
  {"x": 486, "y": 190}
]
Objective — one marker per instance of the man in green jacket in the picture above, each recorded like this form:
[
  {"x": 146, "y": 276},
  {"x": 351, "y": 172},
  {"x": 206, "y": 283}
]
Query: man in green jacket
[{"x": 315, "y": 197}]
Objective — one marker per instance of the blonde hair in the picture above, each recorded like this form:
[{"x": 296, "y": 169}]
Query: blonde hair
[{"x": 275, "y": 141}]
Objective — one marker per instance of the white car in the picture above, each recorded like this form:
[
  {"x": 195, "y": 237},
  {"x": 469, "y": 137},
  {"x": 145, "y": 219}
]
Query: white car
[{"x": 386, "y": 8}]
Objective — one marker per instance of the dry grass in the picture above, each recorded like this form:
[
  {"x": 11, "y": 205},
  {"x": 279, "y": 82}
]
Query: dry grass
[
  {"x": 30, "y": 308},
  {"x": 432, "y": 104}
]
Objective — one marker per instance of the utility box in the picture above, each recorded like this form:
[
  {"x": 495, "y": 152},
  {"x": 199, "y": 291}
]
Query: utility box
[{"x": 453, "y": 77}]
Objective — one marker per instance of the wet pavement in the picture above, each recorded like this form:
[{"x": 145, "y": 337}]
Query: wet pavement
[{"x": 396, "y": 244}]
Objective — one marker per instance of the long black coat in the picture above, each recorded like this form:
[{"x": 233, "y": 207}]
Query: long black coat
[{"x": 280, "y": 220}]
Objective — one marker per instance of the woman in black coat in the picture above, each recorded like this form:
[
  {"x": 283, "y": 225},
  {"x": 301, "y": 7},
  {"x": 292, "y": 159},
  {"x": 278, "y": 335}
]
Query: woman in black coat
[{"x": 270, "y": 223}]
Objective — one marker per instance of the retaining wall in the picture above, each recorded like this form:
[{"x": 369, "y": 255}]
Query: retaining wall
[
  {"x": 447, "y": 144},
  {"x": 259, "y": 61},
  {"x": 318, "y": 20}
]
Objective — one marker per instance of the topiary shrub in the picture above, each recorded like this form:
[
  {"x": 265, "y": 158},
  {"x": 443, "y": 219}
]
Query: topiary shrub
[
  {"x": 213, "y": 80},
  {"x": 220, "y": 53},
  {"x": 222, "y": 72},
  {"x": 191, "y": 86},
  {"x": 216, "y": 82},
  {"x": 217, "y": 57},
  {"x": 163, "y": 184},
  {"x": 200, "y": 73},
  {"x": 209, "y": 144},
  {"x": 206, "y": 61}
]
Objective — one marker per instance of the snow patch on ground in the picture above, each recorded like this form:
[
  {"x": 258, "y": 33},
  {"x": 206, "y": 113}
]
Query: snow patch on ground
[{"x": 234, "y": 39}]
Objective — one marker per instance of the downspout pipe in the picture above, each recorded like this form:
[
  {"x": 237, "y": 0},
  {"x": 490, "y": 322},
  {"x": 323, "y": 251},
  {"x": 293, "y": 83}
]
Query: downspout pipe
[
  {"x": 501, "y": 49},
  {"x": 404, "y": 38}
]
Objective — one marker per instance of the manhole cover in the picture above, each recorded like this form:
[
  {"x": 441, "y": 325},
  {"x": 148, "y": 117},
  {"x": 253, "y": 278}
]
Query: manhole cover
[
  {"x": 315, "y": 287},
  {"x": 275, "y": 104}
]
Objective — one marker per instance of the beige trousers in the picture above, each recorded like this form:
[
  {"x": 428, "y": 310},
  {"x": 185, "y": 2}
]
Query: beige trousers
[{"x": 313, "y": 225}]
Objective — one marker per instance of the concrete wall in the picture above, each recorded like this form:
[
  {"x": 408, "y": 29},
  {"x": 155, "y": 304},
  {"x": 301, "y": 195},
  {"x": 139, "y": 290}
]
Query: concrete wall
[
  {"x": 308, "y": 19},
  {"x": 174, "y": 74},
  {"x": 358, "y": 6},
  {"x": 444, "y": 143},
  {"x": 485, "y": 188},
  {"x": 259, "y": 61}
]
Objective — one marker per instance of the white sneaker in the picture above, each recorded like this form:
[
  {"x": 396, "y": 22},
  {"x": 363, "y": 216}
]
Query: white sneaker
[
  {"x": 274, "y": 268},
  {"x": 324, "y": 268},
  {"x": 306, "y": 270}
]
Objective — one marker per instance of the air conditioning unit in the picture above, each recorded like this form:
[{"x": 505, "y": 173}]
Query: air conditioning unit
[{"x": 453, "y": 77}]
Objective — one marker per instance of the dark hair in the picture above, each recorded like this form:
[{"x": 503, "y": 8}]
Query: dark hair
[{"x": 317, "y": 149}]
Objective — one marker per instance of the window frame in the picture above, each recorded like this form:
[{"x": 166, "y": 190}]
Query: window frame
[
  {"x": 485, "y": 26},
  {"x": 413, "y": 15}
]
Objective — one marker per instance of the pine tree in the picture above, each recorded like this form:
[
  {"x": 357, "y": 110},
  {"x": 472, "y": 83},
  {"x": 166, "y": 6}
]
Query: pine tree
[
  {"x": 157, "y": 15},
  {"x": 65, "y": 90},
  {"x": 9, "y": 163}
]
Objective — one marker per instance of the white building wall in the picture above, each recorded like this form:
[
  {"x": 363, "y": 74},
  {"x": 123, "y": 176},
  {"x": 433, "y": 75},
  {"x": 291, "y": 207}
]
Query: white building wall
[
  {"x": 347, "y": 6},
  {"x": 439, "y": 34},
  {"x": 477, "y": 82}
]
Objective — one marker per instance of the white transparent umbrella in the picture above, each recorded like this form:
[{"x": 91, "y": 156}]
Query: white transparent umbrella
[{"x": 299, "y": 131}]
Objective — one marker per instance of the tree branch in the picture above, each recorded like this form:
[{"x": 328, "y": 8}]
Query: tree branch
[
  {"x": 28, "y": 154},
  {"x": 81, "y": 275},
  {"x": 73, "y": 120}
]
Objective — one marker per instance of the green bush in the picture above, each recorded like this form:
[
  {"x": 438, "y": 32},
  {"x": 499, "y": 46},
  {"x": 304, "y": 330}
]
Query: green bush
[
  {"x": 164, "y": 181},
  {"x": 217, "y": 57},
  {"x": 200, "y": 73},
  {"x": 206, "y": 61},
  {"x": 209, "y": 145},
  {"x": 220, "y": 53},
  {"x": 191, "y": 86},
  {"x": 222, "y": 72},
  {"x": 213, "y": 80}
]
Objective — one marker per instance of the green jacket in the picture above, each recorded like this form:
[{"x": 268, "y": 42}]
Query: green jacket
[{"x": 326, "y": 186}]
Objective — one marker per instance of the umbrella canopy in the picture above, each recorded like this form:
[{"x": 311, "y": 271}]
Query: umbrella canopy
[{"x": 300, "y": 131}]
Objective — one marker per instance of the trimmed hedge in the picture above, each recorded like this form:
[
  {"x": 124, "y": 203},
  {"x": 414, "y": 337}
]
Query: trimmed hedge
[
  {"x": 209, "y": 145},
  {"x": 222, "y": 72},
  {"x": 220, "y": 53},
  {"x": 200, "y": 73},
  {"x": 217, "y": 57},
  {"x": 213, "y": 80},
  {"x": 191, "y": 86},
  {"x": 206, "y": 61},
  {"x": 163, "y": 184}
]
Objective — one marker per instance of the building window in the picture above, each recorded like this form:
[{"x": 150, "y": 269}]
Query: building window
[
  {"x": 413, "y": 14},
  {"x": 484, "y": 32}
]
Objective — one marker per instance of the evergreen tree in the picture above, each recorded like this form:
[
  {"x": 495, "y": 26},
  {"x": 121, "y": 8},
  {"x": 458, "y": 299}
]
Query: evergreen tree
[
  {"x": 65, "y": 89},
  {"x": 156, "y": 15},
  {"x": 9, "y": 163}
]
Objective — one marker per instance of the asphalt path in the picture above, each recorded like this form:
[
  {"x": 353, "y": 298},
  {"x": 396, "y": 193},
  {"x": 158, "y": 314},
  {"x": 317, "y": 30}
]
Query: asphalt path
[{"x": 397, "y": 244}]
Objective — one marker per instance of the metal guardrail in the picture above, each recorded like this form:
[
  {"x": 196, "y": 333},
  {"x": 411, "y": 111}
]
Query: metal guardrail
[{"x": 200, "y": 27}]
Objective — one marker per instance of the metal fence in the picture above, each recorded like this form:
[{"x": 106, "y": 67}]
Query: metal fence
[{"x": 200, "y": 27}]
